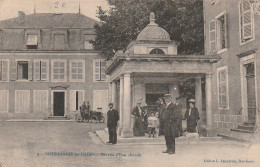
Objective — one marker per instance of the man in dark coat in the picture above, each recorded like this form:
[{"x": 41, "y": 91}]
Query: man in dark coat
[
  {"x": 161, "y": 107},
  {"x": 179, "y": 112},
  {"x": 112, "y": 118},
  {"x": 170, "y": 118}
]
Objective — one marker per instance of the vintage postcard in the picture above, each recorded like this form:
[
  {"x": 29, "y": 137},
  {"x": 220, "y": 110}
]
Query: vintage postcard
[{"x": 149, "y": 83}]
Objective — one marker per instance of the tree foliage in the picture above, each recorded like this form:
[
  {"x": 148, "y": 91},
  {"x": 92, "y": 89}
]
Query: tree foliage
[{"x": 121, "y": 24}]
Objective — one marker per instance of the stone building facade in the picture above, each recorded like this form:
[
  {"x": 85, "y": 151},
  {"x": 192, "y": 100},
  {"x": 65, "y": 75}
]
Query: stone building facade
[
  {"x": 48, "y": 66},
  {"x": 231, "y": 31}
]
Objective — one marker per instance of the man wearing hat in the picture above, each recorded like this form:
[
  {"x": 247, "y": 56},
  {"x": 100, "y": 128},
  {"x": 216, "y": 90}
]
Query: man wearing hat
[
  {"x": 192, "y": 116},
  {"x": 112, "y": 118},
  {"x": 170, "y": 118}
]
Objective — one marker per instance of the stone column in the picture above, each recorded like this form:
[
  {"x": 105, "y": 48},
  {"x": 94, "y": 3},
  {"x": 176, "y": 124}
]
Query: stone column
[
  {"x": 113, "y": 90},
  {"x": 209, "y": 113},
  {"x": 121, "y": 102},
  {"x": 127, "y": 131},
  {"x": 198, "y": 93}
]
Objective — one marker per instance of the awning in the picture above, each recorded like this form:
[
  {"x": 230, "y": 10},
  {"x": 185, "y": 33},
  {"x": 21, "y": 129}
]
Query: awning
[{"x": 32, "y": 40}]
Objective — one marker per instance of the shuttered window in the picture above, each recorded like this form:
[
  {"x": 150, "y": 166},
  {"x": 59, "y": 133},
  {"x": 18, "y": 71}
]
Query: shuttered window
[
  {"x": 4, "y": 100},
  {"x": 222, "y": 87},
  {"x": 41, "y": 70},
  {"x": 4, "y": 70},
  {"x": 76, "y": 99},
  {"x": 77, "y": 70},
  {"x": 40, "y": 101},
  {"x": 221, "y": 31},
  {"x": 32, "y": 41},
  {"x": 247, "y": 20},
  {"x": 22, "y": 101},
  {"x": 24, "y": 70},
  {"x": 99, "y": 70},
  {"x": 212, "y": 35}
]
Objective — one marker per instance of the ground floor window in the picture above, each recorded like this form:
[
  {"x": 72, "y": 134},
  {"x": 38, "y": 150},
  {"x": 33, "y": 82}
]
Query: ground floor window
[
  {"x": 40, "y": 100},
  {"x": 4, "y": 100},
  {"x": 76, "y": 99},
  {"x": 22, "y": 101}
]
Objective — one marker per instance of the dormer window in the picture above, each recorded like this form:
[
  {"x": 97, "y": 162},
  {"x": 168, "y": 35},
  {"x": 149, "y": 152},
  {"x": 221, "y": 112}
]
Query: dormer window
[
  {"x": 157, "y": 51},
  {"x": 32, "y": 41},
  {"x": 87, "y": 39}
]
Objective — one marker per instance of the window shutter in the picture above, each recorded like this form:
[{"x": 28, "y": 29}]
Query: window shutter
[
  {"x": 44, "y": 69},
  {"x": 72, "y": 100},
  {"x": 226, "y": 30},
  {"x": 4, "y": 70},
  {"x": 247, "y": 26},
  {"x": 81, "y": 98},
  {"x": 30, "y": 70},
  {"x": 13, "y": 70},
  {"x": 96, "y": 70},
  {"x": 212, "y": 35},
  {"x": 103, "y": 67},
  {"x": 37, "y": 70}
]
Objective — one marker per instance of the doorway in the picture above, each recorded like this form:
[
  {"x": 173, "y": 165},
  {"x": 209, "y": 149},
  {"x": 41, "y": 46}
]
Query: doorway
[
  {"x": 58, "y": 103},
  {"x": 251, "y": 96}
]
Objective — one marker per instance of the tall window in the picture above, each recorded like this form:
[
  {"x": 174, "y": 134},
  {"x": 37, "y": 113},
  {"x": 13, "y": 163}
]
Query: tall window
[
  {"x": 3, "y": 70},
  {"x": 22, "y": 70},
  {"x": 22, "y": 101},
  {"x": 218, "y": 33},
  {"x": 32, "y": 41},
  {"x": 246, "y": 20},
  {"x": 59, "y": 70},
  {"x": 41, "y": 70},
  {"x": 77, "y": 70},
  {"x": 76, "y": 99},
  {"x": 223, "y": 88},
  {"x": 99, "y": 70}
]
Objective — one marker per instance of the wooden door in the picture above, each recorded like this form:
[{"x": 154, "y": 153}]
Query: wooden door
[
  {"x": 58, "y": 103},
  {"x": 251, "y": 97}
]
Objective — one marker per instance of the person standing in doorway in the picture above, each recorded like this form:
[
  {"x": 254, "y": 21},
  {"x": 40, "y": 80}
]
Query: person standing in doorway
[
  {"x": 192, "y": 116},
  {"x": 170, "y": 118},
  {"x": 179, "y": 112},
  {"x": 112, "y": 118}
]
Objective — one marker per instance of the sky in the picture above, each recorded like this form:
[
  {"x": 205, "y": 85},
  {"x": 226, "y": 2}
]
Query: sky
[{"x": 10, "y": 8}]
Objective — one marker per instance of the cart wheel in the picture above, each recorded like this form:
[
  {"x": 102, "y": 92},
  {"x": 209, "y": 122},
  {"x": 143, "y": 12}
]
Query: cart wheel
[
  {"x": 102, "y": 119},
  {"x": 94, "y": 119}
]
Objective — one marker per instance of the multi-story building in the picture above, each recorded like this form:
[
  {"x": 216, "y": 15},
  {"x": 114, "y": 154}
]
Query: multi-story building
[
  {"x": 48, "y": 66},
  {"x": 232, "y": 31}
]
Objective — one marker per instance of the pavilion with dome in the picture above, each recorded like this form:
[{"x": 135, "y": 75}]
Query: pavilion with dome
[{"x": 151, "y": 67}]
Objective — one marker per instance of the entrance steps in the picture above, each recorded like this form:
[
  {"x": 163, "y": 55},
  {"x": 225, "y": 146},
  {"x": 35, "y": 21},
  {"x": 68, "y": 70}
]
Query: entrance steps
[
  {"x": 247, "y": 127},
  {"x": 235, "y": 135},
  {"x": 145, "y": 140},
  {"x": 57, "y": 118}
]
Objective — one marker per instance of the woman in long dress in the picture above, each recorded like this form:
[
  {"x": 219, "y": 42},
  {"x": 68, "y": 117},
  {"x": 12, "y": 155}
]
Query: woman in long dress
[
  {"x": 192, "y": 116},
  {"x": 139, "y": 127}
]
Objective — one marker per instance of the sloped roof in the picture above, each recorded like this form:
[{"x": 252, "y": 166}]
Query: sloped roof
[{"x": 48, "y": 20}]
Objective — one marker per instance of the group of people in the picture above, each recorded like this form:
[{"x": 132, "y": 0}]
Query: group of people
[{"x": 167, "y": 120}]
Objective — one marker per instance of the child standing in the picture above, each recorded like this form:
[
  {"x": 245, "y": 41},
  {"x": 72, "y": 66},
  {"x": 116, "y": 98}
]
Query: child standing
[{"x": 153, "y": 123}]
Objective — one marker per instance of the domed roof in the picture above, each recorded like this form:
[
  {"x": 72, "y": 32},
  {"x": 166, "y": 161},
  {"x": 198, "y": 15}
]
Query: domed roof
[{"x": 152, "y": 32}]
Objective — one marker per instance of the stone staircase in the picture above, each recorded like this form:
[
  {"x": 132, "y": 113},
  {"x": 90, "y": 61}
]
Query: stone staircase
[
  {"x": 247, "y": 127},
  {"x": 243, "y": 133}
]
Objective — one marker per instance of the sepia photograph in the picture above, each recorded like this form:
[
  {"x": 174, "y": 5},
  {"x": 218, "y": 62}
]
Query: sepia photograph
[{"x": 129, "y": 83}]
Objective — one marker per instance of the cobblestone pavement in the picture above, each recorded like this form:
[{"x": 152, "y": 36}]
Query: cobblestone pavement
[{"x": 69, "y": 144}]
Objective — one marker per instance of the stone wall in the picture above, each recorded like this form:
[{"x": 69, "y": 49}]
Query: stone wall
[{"x": 228, "y": 121}]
